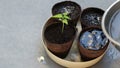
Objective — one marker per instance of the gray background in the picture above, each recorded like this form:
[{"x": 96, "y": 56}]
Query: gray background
[{"x": 21, "y": 23}]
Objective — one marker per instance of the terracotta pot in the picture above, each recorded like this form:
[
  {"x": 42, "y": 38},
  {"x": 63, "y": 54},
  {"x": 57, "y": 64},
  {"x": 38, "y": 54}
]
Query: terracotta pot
[
  {"x": 89, "y": 54},
  {"x": 59, "y": 49},
  {"x": 71, "y": 7},
  {"x": 91, "y": 17}
]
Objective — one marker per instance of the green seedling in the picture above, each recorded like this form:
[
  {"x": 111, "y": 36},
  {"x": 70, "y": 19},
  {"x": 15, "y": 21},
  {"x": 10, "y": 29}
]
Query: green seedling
[{"x": 63, "y": 17}]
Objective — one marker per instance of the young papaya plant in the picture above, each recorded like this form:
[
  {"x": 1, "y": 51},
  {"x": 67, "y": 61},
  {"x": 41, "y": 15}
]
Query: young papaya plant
[{"x": 63, "y": 17}]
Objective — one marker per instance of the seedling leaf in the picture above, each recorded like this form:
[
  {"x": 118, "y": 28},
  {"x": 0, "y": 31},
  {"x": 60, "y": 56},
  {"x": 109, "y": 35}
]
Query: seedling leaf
[
  {"x": 57, "y": 16},
  {"x": 67, "y": 17},
  {"x": 65, "y": 21},
  {"x": 63, "y": 18}
]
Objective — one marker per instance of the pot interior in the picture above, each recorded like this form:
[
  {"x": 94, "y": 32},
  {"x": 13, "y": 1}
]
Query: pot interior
[
  {"x": 92, "y": 16},
  {"x": 67, "y": 6},
  {"x": 111, "y": 25}
]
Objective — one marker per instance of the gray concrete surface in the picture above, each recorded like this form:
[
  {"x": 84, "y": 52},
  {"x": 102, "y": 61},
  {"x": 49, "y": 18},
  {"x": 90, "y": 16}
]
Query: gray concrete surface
[{"x": 21, "y": 23}]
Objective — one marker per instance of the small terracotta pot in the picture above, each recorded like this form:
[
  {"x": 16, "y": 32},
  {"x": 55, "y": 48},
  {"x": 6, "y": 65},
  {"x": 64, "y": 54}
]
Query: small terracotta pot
[
  {"x": 72, "y": 8},
  {"x": 89, "y": 54},
  {"x": 91, "y": 17},
  {"x": 59, "y": 49}
]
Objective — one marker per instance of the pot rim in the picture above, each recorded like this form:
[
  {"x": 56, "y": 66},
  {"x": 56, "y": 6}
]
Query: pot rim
[
  {"x": 67, "y": 63},
  {"x": 103, "y": 23}
]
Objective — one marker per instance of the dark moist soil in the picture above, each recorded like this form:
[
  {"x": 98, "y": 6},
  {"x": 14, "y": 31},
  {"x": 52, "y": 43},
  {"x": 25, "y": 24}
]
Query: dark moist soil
[
  {"x": 54, "y": 34},
  {"x": 91, "y": 19},
  {"x": 67, "y": 6}
]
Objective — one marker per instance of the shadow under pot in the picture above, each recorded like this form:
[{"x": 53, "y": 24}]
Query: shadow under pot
[
  {"x": 91, "y": 17},
  {"x": 58, "y": 39},
  {"x": 72, "y": 8},
  {"x": 92, "y": 43}
]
